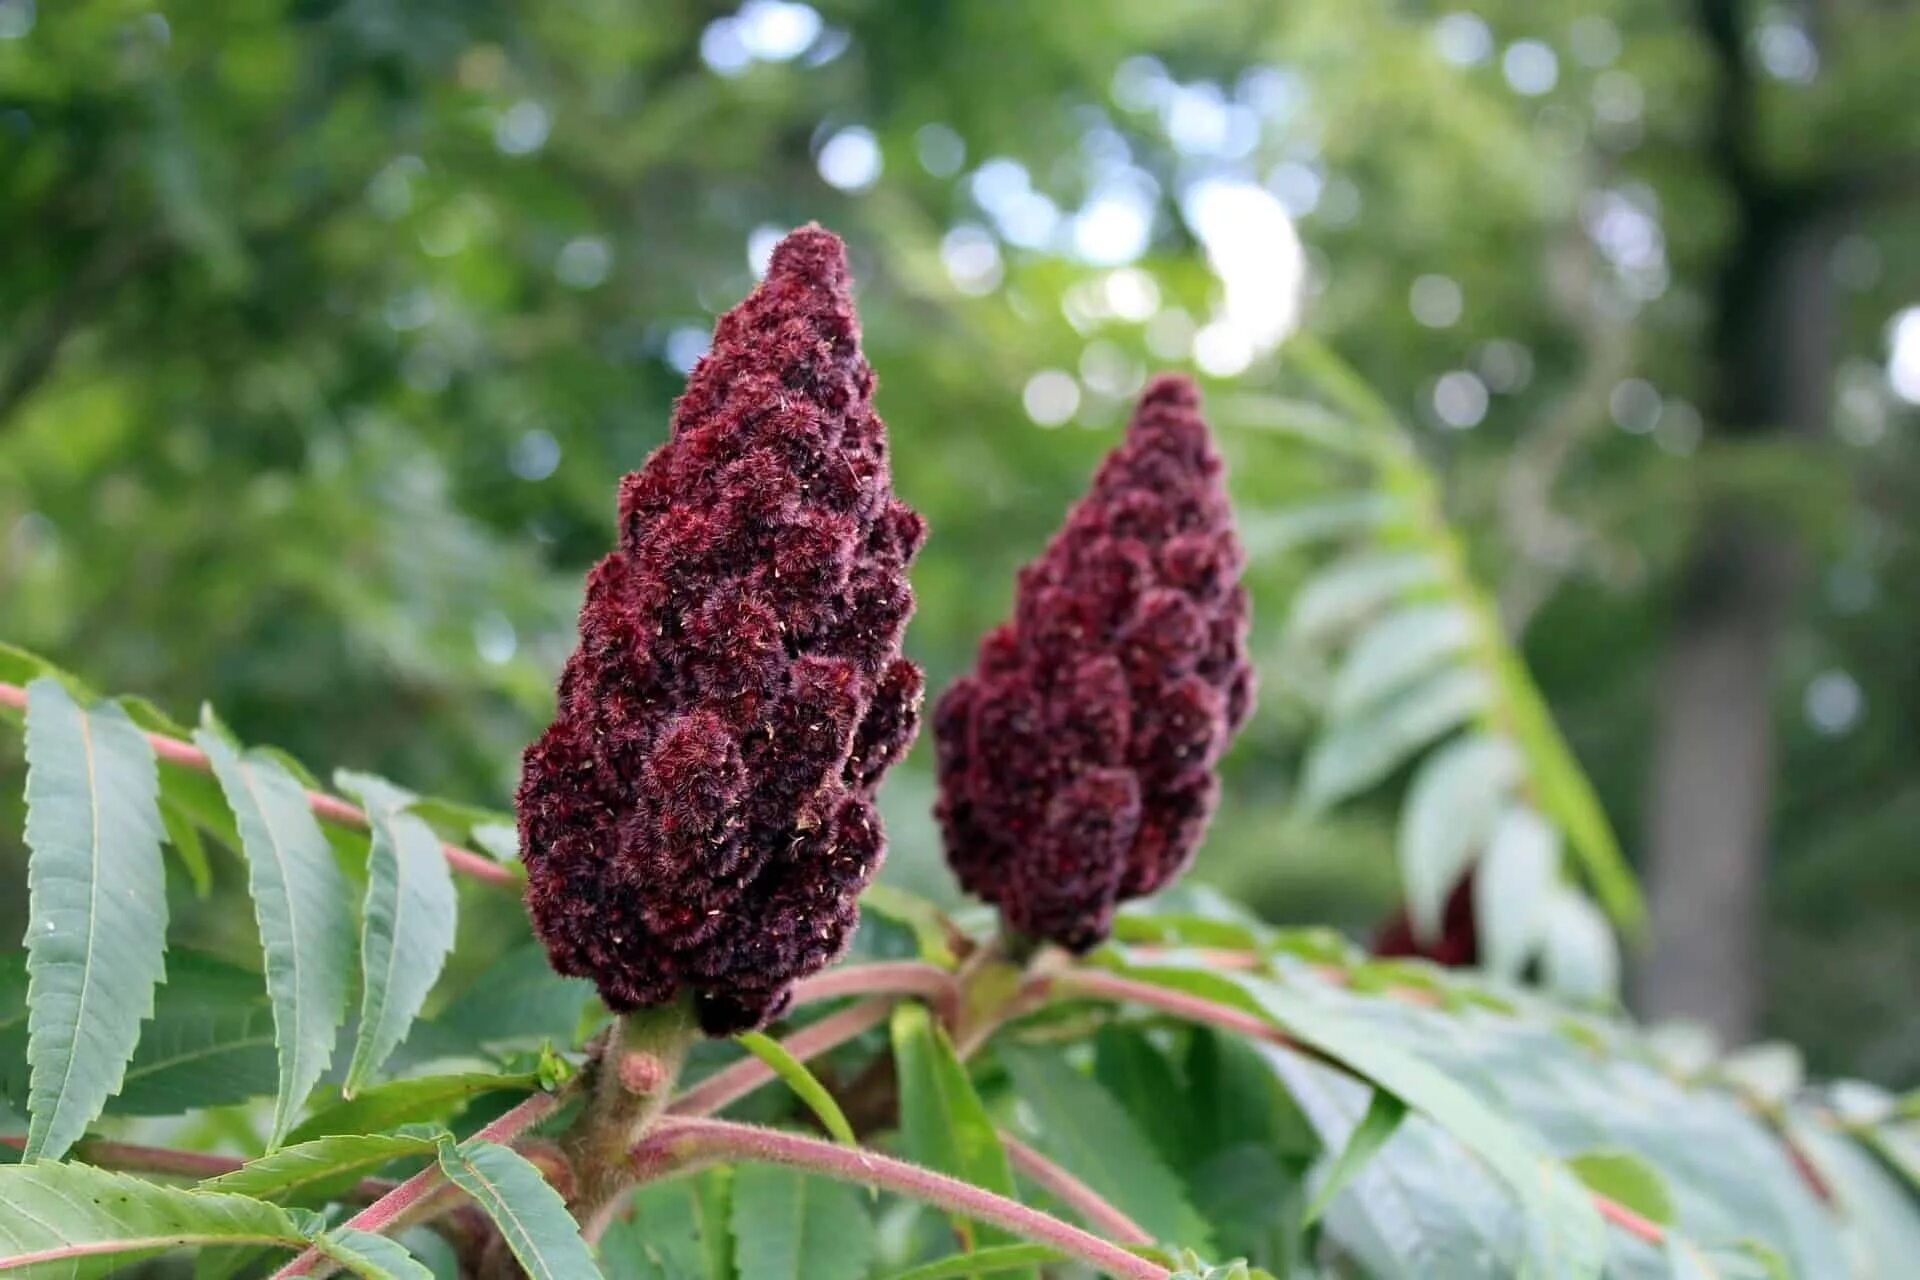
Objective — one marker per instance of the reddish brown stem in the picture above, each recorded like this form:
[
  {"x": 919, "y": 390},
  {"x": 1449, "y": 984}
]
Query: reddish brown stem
[
  {"x": 736, "y": 1081},
  {"x": 1629, "y": 1221},
  {"x": 332, "y": 808},
  {"x": 1091, "y": 1207},
  {"x": 391, "y": 1209},
  {"x": 677, "y": 1142},
  {"x": 898, "y": 978}
]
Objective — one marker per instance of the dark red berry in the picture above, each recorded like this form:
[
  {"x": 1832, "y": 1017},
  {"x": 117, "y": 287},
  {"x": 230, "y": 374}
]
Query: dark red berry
[
  {"x": 1077, "y": 760},
  {"x": 699, "y": 816}
]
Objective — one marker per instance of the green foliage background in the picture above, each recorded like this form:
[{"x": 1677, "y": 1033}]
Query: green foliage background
[{"x": 300, "y": 414}]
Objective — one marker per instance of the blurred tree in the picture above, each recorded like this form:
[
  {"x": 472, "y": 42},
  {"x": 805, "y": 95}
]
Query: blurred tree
[{"x": 326, "y": 326}]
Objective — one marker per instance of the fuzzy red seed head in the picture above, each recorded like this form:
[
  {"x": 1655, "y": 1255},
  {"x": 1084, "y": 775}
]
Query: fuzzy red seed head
[
  {"x": 699, "y": 816},
  {"x": 1076, "y": 761}
]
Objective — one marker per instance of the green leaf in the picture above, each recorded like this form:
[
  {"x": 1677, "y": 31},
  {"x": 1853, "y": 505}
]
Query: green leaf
[
  {"x": 500, "y": 840},
  {"x": 1354, "y": 754},
  {"x": 314, "y": 1172},
  {"x": 809, "y": 1090},
  {"x": 1080, "y": 1125},
  {"x": 1873, "y": 1202},
  {"x": 788, "y": 1226},
  {"x": 210, "y": 1042},
  {"x": 931, "y": 930},
  {"x": 1422, "y": 1206},
  {"x": 1625, "y": 1178},
  {"x": 672, "y": 1230},
  {"x": 1383, "y": 1116},
  {"x": 423, "y": 1099},
  {"x": 1574, "y": 1239},
  {"x": 300, "y": 902},
  {"x": 1342, "y": 597},
  {"x": 1580, "y": 958},
  {"x": 407, "y": 925},
  {"x": 1411, "y": 642},
  {"x": 18, "y": 667},
  {"x": 183, "y": 836},
  {"x": 1450, "y": 811},
  {"x": 1511, "y": 888},
  {"x": 1139, "y": 1076},
  {"x": 1565, "y": 794},
  {"x": 943, "y": 1124},
  {"x": 72, "y": 1222},
  {"x": 371, "y": 1256},
  {"x": 96, "y": 908},
  {"x": 981, "y": 1262},
  {"x": 1769, "y": 1073},
  {"x": 532, "y": 1217}
]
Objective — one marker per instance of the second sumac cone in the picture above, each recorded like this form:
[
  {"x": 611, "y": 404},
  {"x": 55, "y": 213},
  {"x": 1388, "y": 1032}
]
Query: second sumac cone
[
  {"x": 1077, "y": 760},
  {"x": 699, "y": 816}
]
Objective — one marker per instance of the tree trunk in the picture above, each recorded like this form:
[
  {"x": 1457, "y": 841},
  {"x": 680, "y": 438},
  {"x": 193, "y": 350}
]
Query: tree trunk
[{"x": 1711, "y": 794}]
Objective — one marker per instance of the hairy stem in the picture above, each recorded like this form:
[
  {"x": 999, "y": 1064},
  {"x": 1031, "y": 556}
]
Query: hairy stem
[
  {"x": 735, "y": 1081},
  {"x": 1089, "y": 1204},
  {"x": 329, "y": 807},
  {"x": 404, "y": 1203},
  {"x": 630, "y": 1084},
  {"x": 677, "y": 1142}
]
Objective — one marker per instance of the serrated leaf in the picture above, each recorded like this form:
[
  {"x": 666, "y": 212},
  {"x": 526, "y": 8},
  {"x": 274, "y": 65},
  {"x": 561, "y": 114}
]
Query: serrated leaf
[
  {"x": 788, "y": 1226},
  {"x": 210, "y": 1042},
  {"x": 1393, "y": 652},
  {"x": 72, "y": 1222},
  {"x": 797, "y": 1078},
  {"x": 423, "y": 1099},
  {"x": 1422, "y": 1206},
  {"x": 407, "y": 924},
  {"x": 1625, "y": 1178},
  {"x": 1080, "y": 1125},
  {"x": 1381, "y": 1120},
  {"x": 1572, "y": 1237},
  {"x": 983, "y": 1262},
  {"x": 1341, "y": 597},
  {"x": 370, "y": 1256},
  {"x": 1354, "y": 754},
  {"x": 1579, "y": 957},
  {"x": 516, "y": 1002},
  {"x": 313, "y": 1172},
  {"x": 301, "y": 906},
  {"x": 530, "y": 1214},
  {"x": 1451, "y": 807},
  {"x": 672, "y": 1230},
  {"x": 1872, "y": 1200},
  {"x": 97, "y": 907},
  {"x": 1511, "y": 889},
  {"x": 943, "y": 1124}
]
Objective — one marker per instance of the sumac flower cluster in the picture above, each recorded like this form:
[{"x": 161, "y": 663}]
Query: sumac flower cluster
[
  {"x": 1077, "y": 761},
  {"x": 699, "y": 816}
]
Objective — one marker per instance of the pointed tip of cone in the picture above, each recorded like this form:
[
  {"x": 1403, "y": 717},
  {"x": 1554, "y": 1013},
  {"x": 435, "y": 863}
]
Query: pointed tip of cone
[
  {"x": 1174, "y": 389},
  {"x": 813, "y": 254}
]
